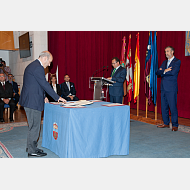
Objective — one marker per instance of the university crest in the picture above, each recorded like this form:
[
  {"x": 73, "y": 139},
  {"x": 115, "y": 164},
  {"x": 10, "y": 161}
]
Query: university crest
[{"x": 55, "y": 130}]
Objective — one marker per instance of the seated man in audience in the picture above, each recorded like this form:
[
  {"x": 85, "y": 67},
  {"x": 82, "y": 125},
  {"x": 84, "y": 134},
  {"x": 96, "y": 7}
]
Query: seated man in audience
[
  {"x": 68, "y": 89},
  {"x": 15, "y": 89},
  {"x": 6, "y": 97}
]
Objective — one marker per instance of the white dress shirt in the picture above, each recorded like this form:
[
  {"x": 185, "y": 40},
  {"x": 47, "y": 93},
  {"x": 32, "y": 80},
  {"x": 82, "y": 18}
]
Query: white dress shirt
[{"x": 54, "y": 87}]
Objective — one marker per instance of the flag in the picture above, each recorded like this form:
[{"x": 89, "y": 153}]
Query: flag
[
  {"x": 147, "y": 69},
  {"x": 122, "y": 63},
  {"x": 153, "y": 69},
  {"x": 128, "y": 66},
  {"x": 137, "y": 71},
  {"x": 123, "y": 50}
]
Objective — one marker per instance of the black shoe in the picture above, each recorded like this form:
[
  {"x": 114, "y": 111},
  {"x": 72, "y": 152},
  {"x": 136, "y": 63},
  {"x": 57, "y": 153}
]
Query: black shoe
[
  {"x": 2, "y": 120},
  {"x": 37, "y": 154},
  {"x": 11, "y": 120},
  {"x": 40, "y": 150}
]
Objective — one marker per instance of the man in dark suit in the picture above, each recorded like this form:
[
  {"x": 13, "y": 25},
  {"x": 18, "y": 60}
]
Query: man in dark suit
[
  {"x": 32, "y": 99},
  {"x": 15, "y": 89},
  {"x": 68, "y": 89},
  {"x": 169, "y": 72},
  {"x": 6, "y": 97},
  {"x": 118, "y": 74}
]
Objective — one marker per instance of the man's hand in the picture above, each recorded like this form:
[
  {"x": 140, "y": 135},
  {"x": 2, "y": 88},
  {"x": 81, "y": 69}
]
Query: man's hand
[
  {"x": 109, "y": 78},
  {"x": 6, "y": 101},
  {"x": 71, "y": 97},
  {"x": 46, "y": 100},
  {"x": 168, "y": 69},
  {"x": 62, "y": 100},
  {"x": 129, "y": 87}
]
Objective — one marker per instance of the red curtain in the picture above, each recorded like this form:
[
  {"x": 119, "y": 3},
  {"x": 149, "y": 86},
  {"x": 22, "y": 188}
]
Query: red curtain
[{"x": 81, "y": 53}]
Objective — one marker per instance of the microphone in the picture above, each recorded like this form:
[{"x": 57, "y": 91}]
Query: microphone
[{"x": 98, "y": 70}]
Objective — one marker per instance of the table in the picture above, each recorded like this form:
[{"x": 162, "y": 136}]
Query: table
[{"x": 91, "y": 132}]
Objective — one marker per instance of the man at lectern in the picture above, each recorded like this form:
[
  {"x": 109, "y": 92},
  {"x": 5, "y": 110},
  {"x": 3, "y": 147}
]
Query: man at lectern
[{"x": 118, "y": 74}]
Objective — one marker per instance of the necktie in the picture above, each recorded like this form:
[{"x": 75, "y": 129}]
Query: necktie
[
  {"x": 68, "y": 85},
  {"x": 168, "y": 63},
  {"x": 113, "y": 72},
  {"x": 3, "y": 84}
]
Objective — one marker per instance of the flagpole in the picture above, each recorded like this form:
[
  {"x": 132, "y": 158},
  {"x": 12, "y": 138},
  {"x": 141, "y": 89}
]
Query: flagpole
[
  {"x": 156, "y": 100},
  {"x": 156, "y": 111},
  {"x": 139, "y": 83},
  {"x": 146, "y": 107},
  {"x": 124, "y": 84},
  {"x": 138, "y": 105}
]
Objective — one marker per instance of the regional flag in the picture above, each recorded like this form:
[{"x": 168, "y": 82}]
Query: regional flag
[
  {"x": 129, "y": 76},
  {"x": 122, "y": 62},
  {"x": 147, "y": 69},
  {"x": 123, "y": 50},
  {"x": 153, "y": 69},
  {"x": 137, "y": 71}
]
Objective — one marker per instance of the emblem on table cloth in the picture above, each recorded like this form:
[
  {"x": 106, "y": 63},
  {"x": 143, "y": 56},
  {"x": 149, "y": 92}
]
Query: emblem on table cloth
[{"x": 55, "y": 130}]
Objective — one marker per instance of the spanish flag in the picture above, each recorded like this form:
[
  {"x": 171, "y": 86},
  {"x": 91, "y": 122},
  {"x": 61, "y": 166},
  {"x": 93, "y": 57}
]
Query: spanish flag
[{"x": 137, "y": 71}]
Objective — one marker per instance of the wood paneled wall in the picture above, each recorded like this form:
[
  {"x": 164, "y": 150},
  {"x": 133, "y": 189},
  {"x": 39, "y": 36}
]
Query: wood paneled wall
[{"x": 7, "y": 40}]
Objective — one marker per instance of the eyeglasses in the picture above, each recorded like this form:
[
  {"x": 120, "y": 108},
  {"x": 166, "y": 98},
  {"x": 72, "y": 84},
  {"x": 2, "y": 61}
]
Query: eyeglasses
[
  {"x": 113, "y": 63},
  {"x": 2, "y": 76}
]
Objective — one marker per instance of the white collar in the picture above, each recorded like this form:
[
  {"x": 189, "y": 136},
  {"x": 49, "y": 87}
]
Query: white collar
[
  {"x": 40, "y": 63},
  {"x": 171, "y": 59},
  {"x": 116, "y": 68}
]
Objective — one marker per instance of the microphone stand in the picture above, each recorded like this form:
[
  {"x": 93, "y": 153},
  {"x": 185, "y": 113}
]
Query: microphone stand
[
  {"x": 97, "y": 70},
  {"x": 104, "y": 70}
]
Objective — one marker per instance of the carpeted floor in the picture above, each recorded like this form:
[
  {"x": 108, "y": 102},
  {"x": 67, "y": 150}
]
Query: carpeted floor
[{"x": 146, "y": 141}]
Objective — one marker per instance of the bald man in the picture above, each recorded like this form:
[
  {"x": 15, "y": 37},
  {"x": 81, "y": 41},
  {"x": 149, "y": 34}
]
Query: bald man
[{"x": 32, "y": 99}]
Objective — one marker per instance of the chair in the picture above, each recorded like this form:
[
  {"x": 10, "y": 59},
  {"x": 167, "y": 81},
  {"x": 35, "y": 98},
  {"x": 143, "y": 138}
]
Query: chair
[{"x": 7, "y": 109}]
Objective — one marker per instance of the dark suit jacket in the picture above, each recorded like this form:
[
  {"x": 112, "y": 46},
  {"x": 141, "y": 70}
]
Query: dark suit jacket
[
  {"x": 15, "y": 87},
  {"x": 119, "y": 76},
  {"x": 169, "y": 79},
  {"x": 8, "y": 92},
  {"x": 58, "y": 92},
  {"x": 65, "y": 91},
  {"x": 34, "y": 87}
]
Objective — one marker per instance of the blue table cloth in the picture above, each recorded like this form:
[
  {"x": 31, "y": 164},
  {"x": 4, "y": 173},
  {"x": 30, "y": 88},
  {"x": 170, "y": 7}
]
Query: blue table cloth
[{"x": 91, "y": 132}]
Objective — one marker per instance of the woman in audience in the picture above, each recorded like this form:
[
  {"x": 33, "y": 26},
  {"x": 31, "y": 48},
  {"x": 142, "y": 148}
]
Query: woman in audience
[{"x": 55, "y": 86}]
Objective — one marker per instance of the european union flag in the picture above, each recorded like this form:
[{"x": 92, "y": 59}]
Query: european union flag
[{"x": 153, "y": 69}]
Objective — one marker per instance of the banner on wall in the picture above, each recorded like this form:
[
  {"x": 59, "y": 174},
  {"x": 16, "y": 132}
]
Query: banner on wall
[{"x": 187, "y": 44}]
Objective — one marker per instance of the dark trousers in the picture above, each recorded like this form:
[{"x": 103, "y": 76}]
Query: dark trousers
[
  {"x": 16, "y": 97},
  {"x": 12, "y": 108},
  {"x": 116, "y": 99},
  {"x": 34, "y": 121},
  {"x": 169, "y": 101}
]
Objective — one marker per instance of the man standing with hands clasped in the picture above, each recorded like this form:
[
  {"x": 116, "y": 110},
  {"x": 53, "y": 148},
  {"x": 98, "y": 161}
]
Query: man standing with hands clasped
[
  {"x": 169, "y": 72},
  {"x": 32, "y": 99}
]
